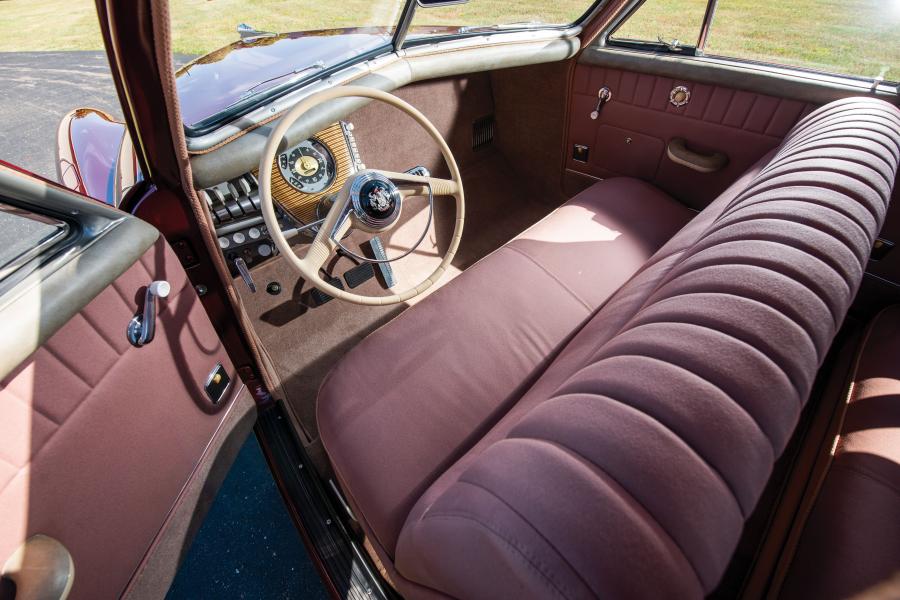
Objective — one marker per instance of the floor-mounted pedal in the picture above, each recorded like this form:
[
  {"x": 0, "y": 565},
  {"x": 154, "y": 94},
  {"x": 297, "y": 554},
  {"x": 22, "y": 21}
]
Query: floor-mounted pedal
[
  {"x": 387, "y": 273},
  {"x": 319, "y": 297},
  {"x": 359, "y": 274}
]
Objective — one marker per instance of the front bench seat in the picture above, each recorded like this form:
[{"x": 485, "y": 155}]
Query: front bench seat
[{"x": 626, "y": 462}]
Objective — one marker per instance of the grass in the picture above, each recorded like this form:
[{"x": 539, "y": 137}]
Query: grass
[{"x": 859, "y": 37}]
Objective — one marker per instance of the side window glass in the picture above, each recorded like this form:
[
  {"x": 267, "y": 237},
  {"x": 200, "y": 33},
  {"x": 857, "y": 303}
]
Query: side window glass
[
  {"x": 666, "y": 21},
  {"x": 858, "y": 39}
]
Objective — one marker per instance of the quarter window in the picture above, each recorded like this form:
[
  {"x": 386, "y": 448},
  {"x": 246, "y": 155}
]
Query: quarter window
[{"x": 859, "y": 38}]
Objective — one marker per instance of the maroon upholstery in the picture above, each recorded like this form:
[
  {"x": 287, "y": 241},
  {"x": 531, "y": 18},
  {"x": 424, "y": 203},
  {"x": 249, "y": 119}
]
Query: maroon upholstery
[
  {"x": 629, "y": 464},
  {"x": 851, "y": 541},
  {"x": 442, "y": 381}
]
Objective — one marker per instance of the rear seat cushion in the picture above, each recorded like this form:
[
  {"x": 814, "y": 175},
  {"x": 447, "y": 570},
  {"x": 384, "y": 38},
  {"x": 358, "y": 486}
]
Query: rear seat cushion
[
  {"x": 414, "y": 396},
  {"x": 631, "y": 465},
  {"x": 851, "y": 541}
]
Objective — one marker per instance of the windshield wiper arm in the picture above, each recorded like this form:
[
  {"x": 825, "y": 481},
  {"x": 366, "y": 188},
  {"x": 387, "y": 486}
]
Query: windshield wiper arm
[
  {"x": 502, "y": 27},
  {"x": 296, "y": 74}
]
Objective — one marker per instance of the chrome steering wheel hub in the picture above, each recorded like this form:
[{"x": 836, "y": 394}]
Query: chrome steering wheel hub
[{"x": 376, "y": 201}]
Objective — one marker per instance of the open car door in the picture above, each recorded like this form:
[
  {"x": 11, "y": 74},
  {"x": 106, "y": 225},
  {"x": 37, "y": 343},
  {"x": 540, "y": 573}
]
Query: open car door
[{"x": 120, "y": 411}]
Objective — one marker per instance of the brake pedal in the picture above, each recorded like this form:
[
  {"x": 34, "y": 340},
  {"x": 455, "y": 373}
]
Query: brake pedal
[
  {"x": 359, "y": 274},
  {"x": 319, "y": 297}
]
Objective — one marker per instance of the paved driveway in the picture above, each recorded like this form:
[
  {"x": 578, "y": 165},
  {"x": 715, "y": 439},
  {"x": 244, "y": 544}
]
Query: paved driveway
[{"x": 37, "y": 89}]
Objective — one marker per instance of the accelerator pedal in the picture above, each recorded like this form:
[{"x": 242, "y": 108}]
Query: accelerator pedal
[{"x": 387, "y": 273}]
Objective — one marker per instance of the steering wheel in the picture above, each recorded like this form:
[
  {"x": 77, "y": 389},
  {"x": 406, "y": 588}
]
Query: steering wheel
[{"x": 370, "y": 200}]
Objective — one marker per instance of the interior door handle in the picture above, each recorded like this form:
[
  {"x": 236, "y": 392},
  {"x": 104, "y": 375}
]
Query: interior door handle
[
  {"x": 41, "y": 568},
  {"x": 679, "y": 153}
]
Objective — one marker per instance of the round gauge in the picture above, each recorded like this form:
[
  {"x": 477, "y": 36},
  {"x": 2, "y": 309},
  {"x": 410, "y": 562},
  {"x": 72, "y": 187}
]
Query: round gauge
[{"x": 308, "y": 166}]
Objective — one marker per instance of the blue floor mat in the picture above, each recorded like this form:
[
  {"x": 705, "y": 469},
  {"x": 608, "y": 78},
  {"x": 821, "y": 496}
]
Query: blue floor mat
[{"x": 248, "y": 546}]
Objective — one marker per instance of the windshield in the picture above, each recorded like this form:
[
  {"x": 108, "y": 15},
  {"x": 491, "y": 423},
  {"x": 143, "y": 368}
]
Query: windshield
[{"x": 234, "y": 55}]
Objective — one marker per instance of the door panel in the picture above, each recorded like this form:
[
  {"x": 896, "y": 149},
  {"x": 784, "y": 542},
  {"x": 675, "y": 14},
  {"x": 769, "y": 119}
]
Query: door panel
[
  {"x": 633, "y": 129},
  {"x": 743, "y": 109},
  {"x": 109, "y": 448}
]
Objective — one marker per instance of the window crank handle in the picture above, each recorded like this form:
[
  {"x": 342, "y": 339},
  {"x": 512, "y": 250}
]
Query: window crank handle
[
  {"x": 143, "y": 326},
  {"x": 604, "y": 95}
]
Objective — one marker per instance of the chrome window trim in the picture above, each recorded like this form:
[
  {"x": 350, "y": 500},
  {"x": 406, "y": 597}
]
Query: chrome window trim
[{"x": 63, "y": 229}]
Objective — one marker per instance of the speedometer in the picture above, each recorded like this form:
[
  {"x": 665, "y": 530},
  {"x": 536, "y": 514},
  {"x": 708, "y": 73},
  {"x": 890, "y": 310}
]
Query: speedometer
[{"x": 308, "y": 166}]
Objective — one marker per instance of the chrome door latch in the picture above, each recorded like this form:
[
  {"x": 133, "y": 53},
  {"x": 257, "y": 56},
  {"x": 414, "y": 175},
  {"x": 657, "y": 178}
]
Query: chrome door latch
[
  {"x": 143, "y": 326},
  {"x": 604, "y": 95}
]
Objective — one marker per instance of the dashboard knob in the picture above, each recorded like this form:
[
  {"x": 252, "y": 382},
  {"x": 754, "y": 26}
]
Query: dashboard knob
[
  {"x": 264, "y": 250},
  {"x": 254, "y": 233},
  {"x": 239, "y": 238},
  {"x": 224, "y": 242}
]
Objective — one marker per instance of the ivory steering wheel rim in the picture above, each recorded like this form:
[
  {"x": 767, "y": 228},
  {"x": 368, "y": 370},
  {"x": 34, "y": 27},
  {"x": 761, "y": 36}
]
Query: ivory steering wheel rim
[{"x": 323, "y": 245}]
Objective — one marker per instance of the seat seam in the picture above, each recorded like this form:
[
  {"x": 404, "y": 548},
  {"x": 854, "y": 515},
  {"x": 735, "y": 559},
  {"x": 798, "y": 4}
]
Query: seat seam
[
  {"x": 519, "y": 552},
  {"x": 686, "y": 370},
  {"x": 550, "y": 274},
  {"x": 535, "y": 529},
  {"x": 702, "y": 459},
  {"x": 864, "y": 473},
  {"x": 595, "y": 467},
  {"x": 744, "y": 261},
  {"x": 754, "y": 266}
]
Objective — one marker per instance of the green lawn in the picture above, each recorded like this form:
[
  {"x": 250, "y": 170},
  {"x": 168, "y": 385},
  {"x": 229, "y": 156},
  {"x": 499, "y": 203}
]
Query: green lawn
[{"x": 849, "y": 36}]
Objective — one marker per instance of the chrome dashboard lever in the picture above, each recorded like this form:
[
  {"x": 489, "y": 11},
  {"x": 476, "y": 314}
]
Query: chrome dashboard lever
[
  {"x": 242, "y": 268},
  {"x": 142, "y": 327}
]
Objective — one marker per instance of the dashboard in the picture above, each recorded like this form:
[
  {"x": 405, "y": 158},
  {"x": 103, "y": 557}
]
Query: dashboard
[{"x": 305, "y": 178}]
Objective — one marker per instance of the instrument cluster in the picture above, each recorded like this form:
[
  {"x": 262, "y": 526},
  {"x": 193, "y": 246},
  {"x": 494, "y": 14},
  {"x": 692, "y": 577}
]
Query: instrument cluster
[{"x": 309, "y": 166}]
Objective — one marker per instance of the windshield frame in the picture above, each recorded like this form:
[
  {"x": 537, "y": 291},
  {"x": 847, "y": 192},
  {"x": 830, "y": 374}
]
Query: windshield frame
[
  {"x": 397, "y": 42},
  {"x": 481, "y": 30}
]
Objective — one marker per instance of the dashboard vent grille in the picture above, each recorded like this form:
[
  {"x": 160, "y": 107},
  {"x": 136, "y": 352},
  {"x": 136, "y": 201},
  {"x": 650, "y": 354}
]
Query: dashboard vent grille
[{"x": 482, "y": 132}]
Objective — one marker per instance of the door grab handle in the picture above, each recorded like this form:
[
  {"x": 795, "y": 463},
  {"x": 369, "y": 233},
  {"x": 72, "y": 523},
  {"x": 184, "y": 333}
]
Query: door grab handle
[
  {"x": 143, "y": 326},
  {"x": 679, "y": 153}
]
